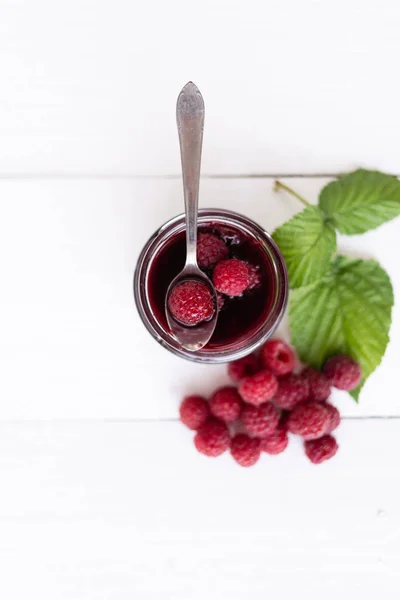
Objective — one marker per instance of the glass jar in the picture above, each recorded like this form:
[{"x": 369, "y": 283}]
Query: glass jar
[{"x": 154, "y": 318}]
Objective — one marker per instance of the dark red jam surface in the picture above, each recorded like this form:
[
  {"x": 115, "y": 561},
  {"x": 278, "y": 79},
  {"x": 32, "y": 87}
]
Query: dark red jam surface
[{"x": 240, "y": 317}]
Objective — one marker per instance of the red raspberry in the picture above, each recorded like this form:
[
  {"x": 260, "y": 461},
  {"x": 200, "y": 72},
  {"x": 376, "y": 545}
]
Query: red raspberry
[
  {"x": 254, "y": 277},
  {"x": 243, "y": 367},
  {"x": 191, "y": 302},
  {"x": 245, "y": 450},
  {"x": 319, "y": 386},
  {"x": 231, "y": 277},
  {"x": 275, "y": 443},
  {"x": 194, "y": 411},
  {"x": 212, "y": 439},
  {"x": 226, "y": 404},
  {"x": 292, "y": 390},
  {"x": 334, "y": 418},
  {"x": 260, "y": 421},
  {"x": 343, "y": 372},
  {"x": 310, "y": 420},
  {"x": 322, "y": 449},
  {"x": 259, "y": 388},
  {"x": 210, "y": 250},
  {"x": 277, "y": 356}
]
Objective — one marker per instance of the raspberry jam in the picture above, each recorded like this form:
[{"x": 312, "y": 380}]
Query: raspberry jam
[
  {"x": 244, "y": 322},
  {"x": 239, "y": 316}
]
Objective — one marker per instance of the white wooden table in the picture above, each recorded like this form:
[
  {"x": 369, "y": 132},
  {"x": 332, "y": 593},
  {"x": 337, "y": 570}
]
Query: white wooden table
[{"x": 102, "y": 495}]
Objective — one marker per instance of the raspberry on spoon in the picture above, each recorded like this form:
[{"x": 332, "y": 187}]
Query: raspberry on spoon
[{"x": 191, "y": 302}]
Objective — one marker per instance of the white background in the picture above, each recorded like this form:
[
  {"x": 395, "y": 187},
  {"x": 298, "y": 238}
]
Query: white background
[{"x": 102, "y": 495}]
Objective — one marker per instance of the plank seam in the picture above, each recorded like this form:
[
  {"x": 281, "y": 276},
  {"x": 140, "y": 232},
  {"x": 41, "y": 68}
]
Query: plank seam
[
  {"x": 112, "y": 421},
  {"x": 130, "y": 176}
]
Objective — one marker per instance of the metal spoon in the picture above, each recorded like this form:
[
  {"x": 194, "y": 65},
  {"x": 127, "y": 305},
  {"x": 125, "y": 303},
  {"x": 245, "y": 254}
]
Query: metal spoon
[{"x": 190, "y": 122}]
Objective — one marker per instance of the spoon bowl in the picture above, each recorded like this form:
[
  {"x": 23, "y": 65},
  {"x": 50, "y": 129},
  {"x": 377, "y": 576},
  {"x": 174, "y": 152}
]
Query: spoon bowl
[
  {"x": 193, "y": 337},
  {"x": 190, "y": 122}
]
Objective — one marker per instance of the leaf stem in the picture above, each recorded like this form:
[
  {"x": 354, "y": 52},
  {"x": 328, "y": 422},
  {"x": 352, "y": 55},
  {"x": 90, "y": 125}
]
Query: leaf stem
[{"x": 278, "y": 185}]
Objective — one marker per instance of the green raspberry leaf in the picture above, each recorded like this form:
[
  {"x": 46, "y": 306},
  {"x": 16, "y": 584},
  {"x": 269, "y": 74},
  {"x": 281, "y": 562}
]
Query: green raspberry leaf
[
  {"x": 361, "y": 201},
  {"x": 346, "y": 312},
  {"x": 307, "y": 243}
]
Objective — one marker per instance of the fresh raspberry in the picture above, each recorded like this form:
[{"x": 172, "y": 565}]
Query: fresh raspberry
[
  {"x": 334, "y": 418},
  {"x": 254, "y": 277},
  {"x": 259, "y": 388},
  {"x": 260, "y": 421},
  {"x": 212, "y": 439},
  {"x": 343, "y": 372},
  {"x": 277, "y": 356},
  {"x": 245, "y": 450},
  {"x": 322, "y": 449},
  {"x": 243, "y": 367},
  {"x": 309, "y": 419},
  {"x": 319, "y": 386},
  {"x": 292, "y": 390},
  {"x": 275, "y": 443},
  {"x": 194, "y": 411},
  {"x": 226, "y": 404},
  {"x": 191, "y": 302},
  {"x": 231, "y": 277},
  {"x": 210, "y": 250}
]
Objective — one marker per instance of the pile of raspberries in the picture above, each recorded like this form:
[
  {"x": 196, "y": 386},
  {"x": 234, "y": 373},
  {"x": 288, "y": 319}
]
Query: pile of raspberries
[{"x": 269, "y": 402}]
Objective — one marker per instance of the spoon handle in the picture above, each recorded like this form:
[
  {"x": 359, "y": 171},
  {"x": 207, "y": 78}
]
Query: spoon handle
[{"x": 190, "y": 121}]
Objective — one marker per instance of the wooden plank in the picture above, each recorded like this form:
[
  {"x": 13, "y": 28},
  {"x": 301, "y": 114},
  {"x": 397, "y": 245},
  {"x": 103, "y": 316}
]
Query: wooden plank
[
  {"x": 90, "y": 86},
  {"x": 72, "y": 344},
  {"x": 131, "y": 510}
]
